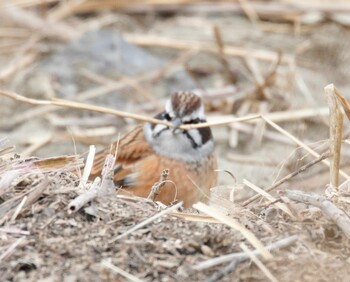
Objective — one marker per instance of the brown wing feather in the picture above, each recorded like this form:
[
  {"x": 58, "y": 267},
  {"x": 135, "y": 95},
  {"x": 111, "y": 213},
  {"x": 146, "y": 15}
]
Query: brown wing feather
[{"x": 132, "y": 147}]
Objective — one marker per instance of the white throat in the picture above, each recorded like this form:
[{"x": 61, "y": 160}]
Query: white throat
[{"x": 176, "y": 145}]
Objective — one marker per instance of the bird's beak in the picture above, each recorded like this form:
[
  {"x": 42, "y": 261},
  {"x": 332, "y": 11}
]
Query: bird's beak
[{"x": 176, "y": 123}]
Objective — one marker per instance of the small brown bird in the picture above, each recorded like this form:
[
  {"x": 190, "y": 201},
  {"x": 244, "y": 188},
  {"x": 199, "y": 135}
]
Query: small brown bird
[{"x": 147, "y": 150}]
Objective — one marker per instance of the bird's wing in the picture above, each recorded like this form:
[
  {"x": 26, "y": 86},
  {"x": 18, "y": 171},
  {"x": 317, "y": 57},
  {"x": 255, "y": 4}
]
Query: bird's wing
[{"x": 131, "y": 148}]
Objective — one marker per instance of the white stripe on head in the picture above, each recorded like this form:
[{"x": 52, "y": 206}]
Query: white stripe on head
[{"x": 169, "y": 108}]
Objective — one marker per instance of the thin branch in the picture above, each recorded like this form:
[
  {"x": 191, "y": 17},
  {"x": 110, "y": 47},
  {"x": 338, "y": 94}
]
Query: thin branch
[
  {"x": 262, "y": 192},
  {"x": 240, "y": 257},
  {"x": 82, "y": 106},
  {"x": 158, "y": 41},
  {"x": 147, "y": 221},
  {"x": 45, "y": 27},
  {"x": 18, "y": 210},
  {"x": 217, "y": 276},
  {"x": 120, "y": 271},
  {"x": 224, "y": 61},
  {"x": 209, "y": 210},
  {"x": 300, "y": 143},
  {"x": 250, "y": 12},
  {"x": 10, "y": 250},
  {"x": 288, "y": 177},
  {"x": 327, "y": 207}
]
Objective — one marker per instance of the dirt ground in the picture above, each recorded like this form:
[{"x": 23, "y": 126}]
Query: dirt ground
[{"x": 273, "y": 58}]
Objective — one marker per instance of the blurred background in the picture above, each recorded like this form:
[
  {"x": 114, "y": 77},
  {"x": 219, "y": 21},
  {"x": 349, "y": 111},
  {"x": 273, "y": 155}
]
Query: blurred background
[{"x": 243, "y": 57}]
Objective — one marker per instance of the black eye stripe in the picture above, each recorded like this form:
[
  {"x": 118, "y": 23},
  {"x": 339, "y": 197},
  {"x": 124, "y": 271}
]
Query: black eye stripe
[
  {"x": 205, "y": 133},
  {"x": 193, "y": 143}
]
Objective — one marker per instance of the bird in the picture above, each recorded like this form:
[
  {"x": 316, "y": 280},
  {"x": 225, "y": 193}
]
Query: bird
[{"x": 150, "y": 149}]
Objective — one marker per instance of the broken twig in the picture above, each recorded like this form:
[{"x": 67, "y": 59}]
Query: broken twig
[
  {"x": 147, "y": 221},
  {"x": 327, "y": 207},
  {"x": 240, "y": 257}
]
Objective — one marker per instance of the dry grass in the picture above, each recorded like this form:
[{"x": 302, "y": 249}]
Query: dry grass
[{"x": 56, "y": 224}]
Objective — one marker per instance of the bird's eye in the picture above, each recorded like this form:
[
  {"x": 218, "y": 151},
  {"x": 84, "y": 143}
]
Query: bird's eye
[{"x": 167, "y": 117}]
